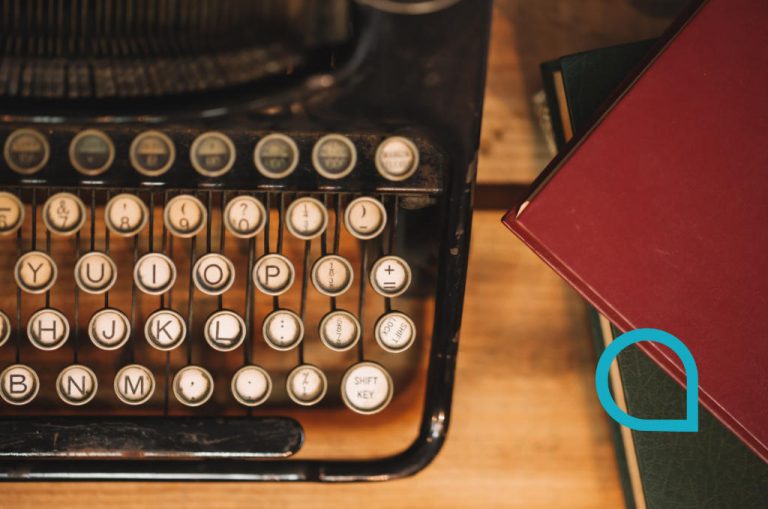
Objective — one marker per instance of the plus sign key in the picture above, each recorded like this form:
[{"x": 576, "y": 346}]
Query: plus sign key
[{"x": 390, "y": 276}]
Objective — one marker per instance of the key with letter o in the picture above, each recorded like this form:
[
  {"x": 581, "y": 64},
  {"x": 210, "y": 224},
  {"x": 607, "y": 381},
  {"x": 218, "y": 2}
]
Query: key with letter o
[
  {"x": 109, "y": 329},
  {"x": 224, "y": 330},
  {"x": 251, "y": 385},
  {"x": 134, "y": 384},
  {"x": 185, "y": 215},
  {"x": 245, "y": 217},
  {"x": 77, "y": 385},
  {"x": 154, "y": 273},
  {"x": 11, "y": 213},
  {"x": 19, "y": 384},
  {"x": 64, "y": 213},
  {"x": 48, "y": 329},
  {"x": 193, "y": 385},
  {"x": 95, "y": 272},
  {"x": 35, "y": 272},
  {"x": 366, "y": 388},
  {"x": 214, "y": 274},
  {"x": 273, "y": 274},
  {"x": 165, "y": 329},
  {"x": 306, "y": 385},
  {"x": 126, "y": 214}
]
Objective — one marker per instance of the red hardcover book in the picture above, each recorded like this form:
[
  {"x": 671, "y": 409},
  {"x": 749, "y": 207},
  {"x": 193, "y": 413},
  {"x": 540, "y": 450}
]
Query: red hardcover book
[{"x": 658, "y": 215}]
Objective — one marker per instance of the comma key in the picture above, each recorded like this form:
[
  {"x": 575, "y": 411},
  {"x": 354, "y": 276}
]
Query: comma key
[{"x": 193, "y": 386}]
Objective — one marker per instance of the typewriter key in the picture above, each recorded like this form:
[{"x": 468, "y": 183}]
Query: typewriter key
[
  {"x": 91, "y": 152},
  {"x": 185, "y": 215},
  {"x": 365, "y": 218},
  {"x": 26, "y": 151},
  {"x": 395, "y": 332},
  {"x": 212, "y": 154},
  {"x": 152, "y": 153},
  {"x": 332, "y": 275},
  {"x": 251, "y": 385},
  {"x": 77, "y": 384},
  {"x": 334, "y": 156},
  {"x": 224, "y": 330},
  {"x": 19, "y": 384},
  {"x": 214, "y": 274},
  {"x": 35, "y": 272},
  {"x": 193, "y": 385},
  {"x": 5, "y": 328},
  {"x": 273, "y": 274},
  {"x": 154, "y": 273},
  {"x": 48, "y": 329},
  {"x": 339, "y": 330},
  {"x": 397, "y": 158},
  {"x": 165, "y": 329},
  {"x": 134, "y": 384},
  {"x": 244, "y": 217},
  {"x": 276, "y": 156},
  {"x": 366, "y": 388},
  {"x": 64, "y": 213},
  {"x": 390, "y": 276},
  {"x": 11, "y": 213},
  {"x": 306, "y": 218},
  {"x": 283, "y": 329},
  {"x": 306, "y": 385},
  {"x": 126, "y": 215},
  {"x": 109, "y": 329},
  {"x": 95, "y": 272}
]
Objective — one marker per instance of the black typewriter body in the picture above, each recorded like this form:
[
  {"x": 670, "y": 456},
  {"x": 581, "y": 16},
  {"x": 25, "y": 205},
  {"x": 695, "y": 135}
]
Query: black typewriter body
[{"x": 225, "y": 227}]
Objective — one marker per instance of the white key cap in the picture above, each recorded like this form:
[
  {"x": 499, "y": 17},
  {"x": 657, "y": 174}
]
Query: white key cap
[
  {"x": 224, "y": 330},
  {"x": 134, "y": 384},
  {"x": 154, "y": 273},
  {"x": 11, "y": 213},
  {"x": 390, "y": 276},
  {"x": 165, "y": 329},
  {"x": 35, "y": 272},
  {"x": 26, "y": 151},
  {"x": 64, "y": 213},
  {"x": 395, "y": 332},
  {"x": 334, "y": 156},
  {"x": 306, "y": 218},
  {"x": 339, "y": 330},
  {"x": 19, "y": 384},
  {"x": 273, "y": 274},
  {"x": 91, "y": 152},
  {"x": 276, "y": 156},
  {"x": 126, "y": 214},
  {"x": 397, "y": 158},
  {"x": 212, "y": 154},
  {"x": 251, "y": 385},
  {"x": 95, "y": 272},
  {"x": 185, "y": 215},
  {"x": 77, "y": 384},
  {"x": 193, "y": 385},
  {"x": 365, "y": 218},
  {"x": 366, "y": 388},
  {"x": 213, "y": 274},
  {"x": 109, "y": 329},
  {"x": 283, "y": 329},
  {"x": 306, "y": 385},
  {"x": 332, "y": 275},
  {"x": 48, "y": 329},
  {"x": 244, "y": 217},
  {"x": 5, "y": 328},
  {"x": 152, "y": 153}
]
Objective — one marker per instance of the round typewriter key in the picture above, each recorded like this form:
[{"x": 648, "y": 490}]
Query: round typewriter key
[
  {"x": 91, "y": 152},
  {"x": 48, "y": 329},
  {"x": 35, "y": 272},
  {"x": 224, "y": 330},
  {"x": 126, "y": 215},
  {"x": 5, "y": 328},
  {"x": 244, "y": 217},
  {"x": 273, "y": 274},
  {"x": 283, "y": 329},
  {"x": 109, "y": 329},
  {"x": 165, "y": 329},
  {"x": 19, "y": 384},
  {"x": 152, "y": 153},
  {"x": 77, "y": 384},
  {"x": 276, "y": 156},
  {"x": 193, "y": 385},
  {"x": 11, "y": 213},
  {"x": 154, "y": 273},
  {"x": 185, "y": 215},
  {"x": 365, "y": 218},
  {"x": 64, "y": 213},
  {"x": 334, "y": 156},
  {"x": 306, "y": 218},
  {"x": 366, "y": 388},
  {"x": 251, "y": 385},
  {"x": 134, "y": 384},
  {"x": 390, "y": 276},
  {"x": 95, "y": 272},
  {"x": 395, "y": 332},
  {"x": 332, "y": 275},
  {"x": 339, "y": 330},
  {"x": 214, "y": 274},
  {"x": 306, "y": 385},
  {"x": 212, "y": 154},
  {"x": 26, "y": 151},
  {"x": 397, "y": 158}
]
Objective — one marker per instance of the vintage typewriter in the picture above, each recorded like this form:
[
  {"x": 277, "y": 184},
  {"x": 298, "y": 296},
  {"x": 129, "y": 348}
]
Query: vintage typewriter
[{"x": 233, "y": 235}]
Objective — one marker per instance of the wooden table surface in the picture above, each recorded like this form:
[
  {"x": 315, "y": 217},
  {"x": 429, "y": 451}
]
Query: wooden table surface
[{"x": 527, "y": 430}]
